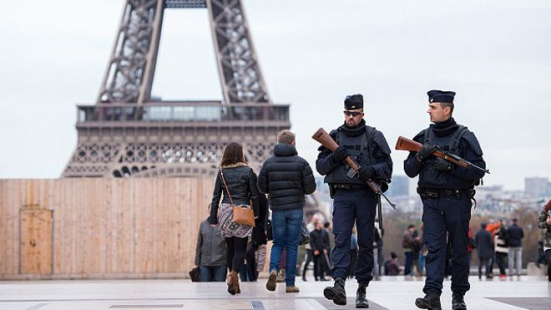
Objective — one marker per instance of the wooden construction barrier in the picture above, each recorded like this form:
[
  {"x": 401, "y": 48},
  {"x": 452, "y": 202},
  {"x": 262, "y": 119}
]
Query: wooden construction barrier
[{"x": 100, "y": 228}]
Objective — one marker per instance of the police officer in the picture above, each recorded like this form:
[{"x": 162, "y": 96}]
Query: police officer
[
  {"x": 354, "y": 201},
  {"x": 446, "y": 190}
]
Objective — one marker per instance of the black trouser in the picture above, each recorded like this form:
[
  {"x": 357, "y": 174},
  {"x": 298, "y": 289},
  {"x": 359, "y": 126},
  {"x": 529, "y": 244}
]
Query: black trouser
[
  {"x": 352, "y": 268},
  {"x": 486, "y": 262},
  {"x": 501, "y": 260},
  {"x": 309, "y": 257},
  {"x": 236, "y": 253},
  {"x": 318, "y": 266},
  {"x": 251, "y": 262},
  {"x": 548, "y": 255}
]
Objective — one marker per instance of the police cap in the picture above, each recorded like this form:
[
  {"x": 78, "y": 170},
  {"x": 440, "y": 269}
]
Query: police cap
[
  {"x": 440, "y": 96},
  {"x": 353, "y": 102}
]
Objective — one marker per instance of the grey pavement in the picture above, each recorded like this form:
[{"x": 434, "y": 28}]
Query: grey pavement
[{"x": 527, "y": 292}]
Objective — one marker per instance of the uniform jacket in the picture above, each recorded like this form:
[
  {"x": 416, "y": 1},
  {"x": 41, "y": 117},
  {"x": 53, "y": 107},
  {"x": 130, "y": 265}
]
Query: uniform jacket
[
  {"x": 241, "y": 181},
  {"x": 211, "y": 247},
  {"x": 286, "y": 178}
]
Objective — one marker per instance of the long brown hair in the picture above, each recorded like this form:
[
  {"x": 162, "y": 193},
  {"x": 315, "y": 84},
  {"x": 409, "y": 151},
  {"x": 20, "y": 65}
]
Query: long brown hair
[{"x": 233, "y": 154}]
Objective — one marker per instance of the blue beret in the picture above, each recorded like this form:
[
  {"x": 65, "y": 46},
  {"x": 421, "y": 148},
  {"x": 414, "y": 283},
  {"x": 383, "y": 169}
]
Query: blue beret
[
  {"x": 440, "y": 96},
  {"x": 353, "y": 102}
]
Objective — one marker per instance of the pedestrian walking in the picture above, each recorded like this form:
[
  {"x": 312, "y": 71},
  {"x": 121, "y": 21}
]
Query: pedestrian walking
[{"x": 236, "y": 185}]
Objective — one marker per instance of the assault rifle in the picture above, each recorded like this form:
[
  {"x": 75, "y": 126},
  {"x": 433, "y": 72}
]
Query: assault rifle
[
  {"x": 325, "y": 139},
  {"x": 405, "y": 144}
]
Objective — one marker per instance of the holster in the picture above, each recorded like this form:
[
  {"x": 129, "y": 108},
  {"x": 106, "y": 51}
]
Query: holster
[{"x": 331, "y": 191}]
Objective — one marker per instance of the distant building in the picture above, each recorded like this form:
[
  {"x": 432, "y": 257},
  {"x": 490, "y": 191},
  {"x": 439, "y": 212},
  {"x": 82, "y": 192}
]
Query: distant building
[
  {"x": 399, "y": 186},
  {"x": 536, "y": 187}
]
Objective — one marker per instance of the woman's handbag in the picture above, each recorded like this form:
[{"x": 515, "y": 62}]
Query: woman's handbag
[
  {"x": 304, "y": 235},
  {"x": 195, "y": 274},
  {"x": 243, "y": 215}
]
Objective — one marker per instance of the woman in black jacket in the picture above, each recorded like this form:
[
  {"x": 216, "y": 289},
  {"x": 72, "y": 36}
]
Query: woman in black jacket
[{"x": 237, "y": 182}]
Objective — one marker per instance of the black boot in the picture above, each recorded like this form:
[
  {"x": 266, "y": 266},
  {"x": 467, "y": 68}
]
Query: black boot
[
  {"x": 431, "y": 301},
  {"x": 336, "y": 293},
  {"x": 361, "y": 301},
  {"x": 458, "y": 303}
]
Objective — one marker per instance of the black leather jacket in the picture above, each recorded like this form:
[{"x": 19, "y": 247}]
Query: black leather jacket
[{"x": 241, "y": 181}]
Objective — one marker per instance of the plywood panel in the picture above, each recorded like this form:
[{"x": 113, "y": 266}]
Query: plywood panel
[
  {"x": 108, "y": 228},
  {"x": 36, "y": 241}
]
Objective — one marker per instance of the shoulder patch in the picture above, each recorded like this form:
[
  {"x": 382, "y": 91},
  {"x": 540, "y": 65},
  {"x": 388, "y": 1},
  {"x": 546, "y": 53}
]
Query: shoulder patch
[{"x": 473, "y": 142}]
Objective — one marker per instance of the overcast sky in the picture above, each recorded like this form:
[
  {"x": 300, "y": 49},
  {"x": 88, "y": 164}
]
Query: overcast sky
[{"x": 496, "y": 54}]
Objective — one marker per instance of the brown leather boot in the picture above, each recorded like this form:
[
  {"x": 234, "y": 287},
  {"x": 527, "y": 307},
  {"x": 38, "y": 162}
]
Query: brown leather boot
[
  {"x": 233, "y": 286},
  {"x": 236, "y": 285}
]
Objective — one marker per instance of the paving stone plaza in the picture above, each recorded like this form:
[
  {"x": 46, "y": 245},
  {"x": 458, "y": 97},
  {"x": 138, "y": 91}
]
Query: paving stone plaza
[{"x": 528, "y": 292}]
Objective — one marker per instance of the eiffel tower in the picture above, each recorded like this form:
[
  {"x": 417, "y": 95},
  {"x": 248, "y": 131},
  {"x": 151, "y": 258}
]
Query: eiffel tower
[{"x": 127, "y": 133}]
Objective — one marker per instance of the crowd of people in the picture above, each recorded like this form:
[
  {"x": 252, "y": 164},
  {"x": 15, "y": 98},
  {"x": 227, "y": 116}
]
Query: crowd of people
[{"x": 357, "y": 170}]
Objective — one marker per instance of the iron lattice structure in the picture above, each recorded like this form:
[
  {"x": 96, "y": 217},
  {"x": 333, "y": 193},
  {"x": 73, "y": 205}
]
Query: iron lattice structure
[{"x": 127, "y": 134}]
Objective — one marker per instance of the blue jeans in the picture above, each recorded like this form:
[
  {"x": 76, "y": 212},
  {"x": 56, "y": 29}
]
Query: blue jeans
[
  {"x": 286, "y": 226},
  {"x": 213, "y": 273}
]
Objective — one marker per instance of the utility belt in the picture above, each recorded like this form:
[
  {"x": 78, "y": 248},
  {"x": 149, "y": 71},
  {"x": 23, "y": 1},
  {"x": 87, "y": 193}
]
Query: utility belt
[
  {"x": 349, "y": 186},
  {"x": 434, "y": 193},
  {"x": 333, "y": 187}
]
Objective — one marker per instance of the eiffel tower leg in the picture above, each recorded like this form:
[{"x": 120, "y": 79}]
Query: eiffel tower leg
[
  {"x": 239, "y": 70},
  {"x": 130, "y": 71}
]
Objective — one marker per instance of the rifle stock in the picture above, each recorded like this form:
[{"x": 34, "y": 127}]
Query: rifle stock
[{"x": 325, "y": 139}]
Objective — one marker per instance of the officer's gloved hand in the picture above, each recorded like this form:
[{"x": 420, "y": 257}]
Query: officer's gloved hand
[
  {"x": 339, "y": 154},
  {"x": 366, "y": 173},
  {"x": 425, "y": 151},
  {"x": 443, "y": 165}
]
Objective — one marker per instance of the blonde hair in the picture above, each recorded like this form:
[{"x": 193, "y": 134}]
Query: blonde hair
[{"x": 285, "y": 136}]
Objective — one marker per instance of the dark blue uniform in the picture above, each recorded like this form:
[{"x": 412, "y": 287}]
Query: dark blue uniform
[
  {"x": 354, "y": 202},
  {"x": 446, "y": 197}
]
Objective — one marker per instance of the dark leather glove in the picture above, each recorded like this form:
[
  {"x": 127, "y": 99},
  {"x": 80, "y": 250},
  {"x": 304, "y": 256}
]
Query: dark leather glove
[
  {"x": 443, "y": 165},
  {"x": 339, "y": 154},
  {"x": 366, "y": 173},
  {"x": 425, "y": 151}
]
